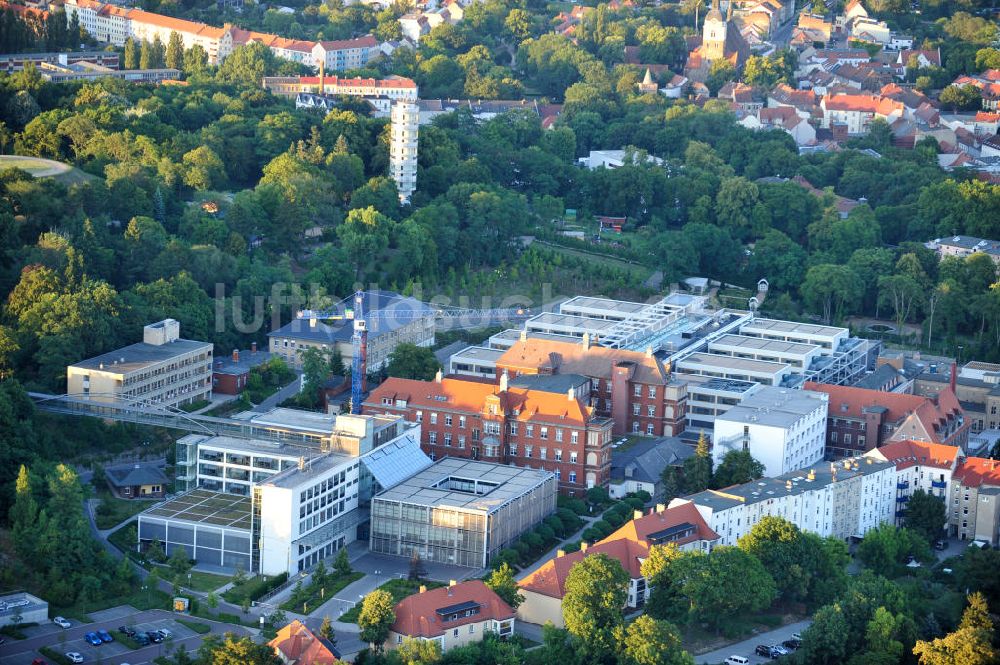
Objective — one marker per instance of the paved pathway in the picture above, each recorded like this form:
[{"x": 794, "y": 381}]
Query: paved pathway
[
  {"x": 746, "y": 647},
  {"x": 280, "y": 396}
]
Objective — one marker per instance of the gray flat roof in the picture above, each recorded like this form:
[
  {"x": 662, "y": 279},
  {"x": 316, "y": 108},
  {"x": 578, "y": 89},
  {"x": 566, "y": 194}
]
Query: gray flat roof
[
  {"x": 715, "y": 360},
  {"x": 581, "y": 323},
  {"x": 309, "y": 421},
  {"x": 247, "y": 360},
  {"x": 509, "y": 483},
  {"x": 137, "y": 356},
  {"x": 792, "y": 483},
  {"x": 293, "y": 476},
  {"x": 774, "y": 406},
  {"x": 761, "y": 344},
  {"x": 205, "y": 507},
  {"x": 477, "y": 353},
  {"x": 622, "y": 307},
  {"x": 251, "y": 446},
  {"x": 735, "y": 386},
  {"x": 774, "y": 325}
]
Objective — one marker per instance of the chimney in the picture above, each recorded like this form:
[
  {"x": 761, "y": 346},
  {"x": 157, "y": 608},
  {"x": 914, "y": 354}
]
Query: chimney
[
  {"x": 524, "y": 335},
  {"x": 560, "y": 553},
  {"x": 954, "y": 376},
  {"x": 312, "y": 321},
  {"x": 236, "y": 355},
  {"x": 636, "y": 514},
  {"x": 452, "y": 583},
  {"x": 504, "y": 379},
  {"x": 583, "y": 545},
  {"x": 649, "y": 352},
  {"x": 571, "y": 394},
  {"x": 586, "y": 341},
  {"x": 423, "y": 589},
  {"x": 660, "y": 507},
  {"x": 438, "y": 376},
  {"x": 253, "y": 347}
]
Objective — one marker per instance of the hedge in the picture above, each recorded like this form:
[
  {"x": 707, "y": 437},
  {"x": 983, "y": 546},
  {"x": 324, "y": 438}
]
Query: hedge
[{"x": 253, "y": 588}]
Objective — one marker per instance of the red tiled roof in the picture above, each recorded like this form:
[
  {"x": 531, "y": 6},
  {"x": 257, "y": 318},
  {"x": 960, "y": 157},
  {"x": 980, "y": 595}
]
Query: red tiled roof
[
  {"x": 417, "y": 615},
  {"x": 177, "y": 24},
  {"x": 300, "y": 646},
  {"x": 862, "y": 103},
  {"x": 640, "y": 529},
  {"x": 22, "y": 10},
  {"x": 368, "y": 41},
  {"x": 978, "y": 471},
  {"x": 533, "y": 354},
  {"x": 905, "y": 454},
  {"x": 391, "y": 82},
  {"x": 471, "y": 396},
  {"x": 550, "y": 579}
]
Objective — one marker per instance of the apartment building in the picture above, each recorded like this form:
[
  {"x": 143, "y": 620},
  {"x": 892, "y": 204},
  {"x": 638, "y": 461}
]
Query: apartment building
[
  {"x": 861, "y": 419},
  {"x": 974, "y": 510},
  {"x": 964, "y": 246},
  {"x": 392, "y": 320},
  {"x": 456, "y": 615},
  {"x": 783, "y": 429},
  {"x": 541, "y": 425},
  {"x": 161, "y": 370},
  {"x": 636, "y": 390},
  {"x": 919, "y": 466},
  {"x": 114, "y": 24},
  {"x": 842, "y": 499},
  {"x": 977, "y": 387},
  {"x": 681, "y": 526}
]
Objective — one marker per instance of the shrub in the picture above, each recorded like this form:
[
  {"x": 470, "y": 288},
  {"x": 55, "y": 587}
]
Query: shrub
[
  {"x": 603, "y": 527},
  {"x": 253, "y": 588},
  {"x": 615, "y": 519},
  {"x": 569, "y": 519},
  {"x": 576, "y": 505},
  {"x": 635, "y": 503},
  {"x": 508, "y": 556},
  {"x": 547, "y": 533},
  {"x": 644, "y": 495},
  {"x": 590, "y": 534},
  {"x": 571, "y": 547},
  {"x": 534, "y": 541},
  {"x": 523, "y": 550},
  {"x": 556, "y": 524}
]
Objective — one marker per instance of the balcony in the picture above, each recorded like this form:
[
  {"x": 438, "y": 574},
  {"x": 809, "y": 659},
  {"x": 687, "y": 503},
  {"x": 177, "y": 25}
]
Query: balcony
[
  {"x": 902, "y": 499},
  {"x": 900, "y": 513},
  {"x": 939, "y": 484},
  {"x": 903, "y": 485}
]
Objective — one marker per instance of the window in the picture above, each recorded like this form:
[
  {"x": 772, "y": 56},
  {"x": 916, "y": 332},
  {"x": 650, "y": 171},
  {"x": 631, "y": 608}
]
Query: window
[
  {"x": 637, "y": 390},
  {"x": 461, "y": 422},
  {"x": 572, "y": 457},
  {"x": 652, "y": 392},
  {"x": 447, "y": 420},
  {"x": 454, "y": 633},
  {"x": 558, "y": 474},
  {"x": 543, "y": 453},
  {"x": 432, "y": 438},
  {"x": 559, "y": 434},
  {"x": 650, "y": 411},
  {"x": 420, "y": 416},
  {"x": 447, "y": 439},
  {"x": 558, "y": 454},
  {"x": 833, "y": 437},
  {"x": 529, "y": 430},
  {"x": 472, "y": 628},
  {"x": 543, "y": 432},
  {"x": 461, "y": 443},
  {"x": 635, "y": 428},
  {"x": 847, "y": 439},
  {"x": 572, "y": 476},
  {"x": 574, "y": 438},
  {"x": 649, "y": 429},
  {"x": 527, "y": 451},
  {"x": 434, "y": 419},
  {"x": 513, "y": 429},
  {"x": 635, "y": 409},
  {"x": 513, "y": 449}
]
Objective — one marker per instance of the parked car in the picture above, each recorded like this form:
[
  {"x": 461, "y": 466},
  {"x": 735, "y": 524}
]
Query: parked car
[
  {"x": 940, "y": 545},
  {"x": 74, "y": 656},
  {"x": 127, "y": 631},
  {"x": 154, "y": 636},
  {"x": 93, "y": 639},
  {"x": 797, "y": 636},
  {"x": 105, "y": 636},
  {"x": 38, "y": 661},
  {"x": 763, "y": 650},
  {"x": 61, "y": 622},
  {"x": 792, "y": 643},
  {"x": 778, "y": 650},
  {"x": 165, "y": 634},
  {"x": 141, "y": 639}
]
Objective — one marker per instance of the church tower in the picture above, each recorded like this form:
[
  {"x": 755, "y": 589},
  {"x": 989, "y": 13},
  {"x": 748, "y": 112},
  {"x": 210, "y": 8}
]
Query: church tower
[{"x": 713, "y": 40}]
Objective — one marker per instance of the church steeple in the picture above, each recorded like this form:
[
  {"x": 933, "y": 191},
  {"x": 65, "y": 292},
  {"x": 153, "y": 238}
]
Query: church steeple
[{"x": 713, "y": 39}]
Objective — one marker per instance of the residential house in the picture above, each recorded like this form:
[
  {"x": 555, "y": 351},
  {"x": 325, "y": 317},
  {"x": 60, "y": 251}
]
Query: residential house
[
  {"x": 453, "y": 616},
  {"x": 137, "y": 481},
  {"x": 296, "y": 644},
  {"x": 856, "y": 111},
  {"x": 640, "y": 467},
  {"x": 919, "y": 466},
  {"x": 974, "y": 509},
  {"x": 231, "y": 373},
  {"x": 787, "y": 119}
]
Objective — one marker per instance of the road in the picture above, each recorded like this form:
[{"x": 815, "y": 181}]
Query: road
[
  {"x": 22, "y": 652},
  {"x": 746, "y": 647}
]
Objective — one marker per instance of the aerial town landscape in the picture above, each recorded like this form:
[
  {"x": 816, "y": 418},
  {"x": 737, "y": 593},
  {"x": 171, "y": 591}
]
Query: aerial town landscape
[{"x": 515, "y": 332}]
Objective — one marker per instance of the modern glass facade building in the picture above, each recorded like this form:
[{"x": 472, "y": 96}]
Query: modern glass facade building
[{"x": 460, "y": 512}]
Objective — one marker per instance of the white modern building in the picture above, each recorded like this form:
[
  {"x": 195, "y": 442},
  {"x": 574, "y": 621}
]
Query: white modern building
[
  {"x": 844, "y": 500},
  {"x": 782, "y": 428}
]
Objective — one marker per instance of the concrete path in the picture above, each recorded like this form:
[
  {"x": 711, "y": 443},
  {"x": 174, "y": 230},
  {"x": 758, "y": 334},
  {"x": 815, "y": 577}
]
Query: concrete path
[
  {"x": 280, "y": 396},
  {"x": 746, "y": 647}
]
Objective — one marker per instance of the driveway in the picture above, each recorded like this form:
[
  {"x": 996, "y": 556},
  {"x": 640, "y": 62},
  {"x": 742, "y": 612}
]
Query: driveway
[
  {"x": 277, "y": 398},
  {"x": 746, "y": 647},
  {"x": 22, "y": 652}
]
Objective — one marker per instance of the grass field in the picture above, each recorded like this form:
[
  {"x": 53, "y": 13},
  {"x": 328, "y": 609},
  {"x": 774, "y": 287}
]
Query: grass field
[{"x": 46, "y": 168}]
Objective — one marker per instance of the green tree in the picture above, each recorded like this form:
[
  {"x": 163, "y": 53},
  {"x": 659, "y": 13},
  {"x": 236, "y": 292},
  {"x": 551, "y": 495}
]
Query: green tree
[
  {"x": 970, "y": 644},
  {"x": 827, "y": 640},
  {"x": 179, "y": 561},
  {"x": 175, "y": 51},
  {"x": 595, "y": 593},
  {"x": 648, "y": 641},
  {"x": 829, "y": 289},
  {"x": 672, "y": 483},
  {"x": 326, "y": 629},
  {"x": 376, "y": 617},
  {"x": 720, "y": 73},
  {"x": 885, "y": 547},
  {"x": 241, "y": 651},
  {"x": 341, "y": 564},
  {"x": 736, "y": 468},
  {"x": 926, "y": 515},
  {"x": 502, "y": 581},
  {"x": 195, "y": 60},
  {"x": 419, "y": 652},
  {"x": 130, "y": 58},
  {"x": 698, "y": 468},
  {"x": 246, "y": 65},
  {"x": 664, "y": 577},
  {"x": 961, "y": 98},
  {"x": 146, "y": 55},
  {"x": 903, "y": 293},
  {"x": 203, "y": 169},
  {"x": 364, "y": 235},
  {"x": 409, "y": 361},
  {"x": 725, "y": 584}
]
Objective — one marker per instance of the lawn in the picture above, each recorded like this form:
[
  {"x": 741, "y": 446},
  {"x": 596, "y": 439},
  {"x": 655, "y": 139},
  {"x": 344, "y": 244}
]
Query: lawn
[
  {"x": 112, "y": 511},
  {"x": 125, "y": 539},
  {"x": 45, "y": 168},
  {"x": 201, "y": 581},
  {"x": 399, "y": 589},
  {"x": 314, "y": 595},
  {"x": 196, "y": 626}
]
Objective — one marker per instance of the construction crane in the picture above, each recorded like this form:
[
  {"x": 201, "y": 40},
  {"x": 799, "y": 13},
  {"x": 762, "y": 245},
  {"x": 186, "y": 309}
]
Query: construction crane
[{"x": 361, "y": 319}]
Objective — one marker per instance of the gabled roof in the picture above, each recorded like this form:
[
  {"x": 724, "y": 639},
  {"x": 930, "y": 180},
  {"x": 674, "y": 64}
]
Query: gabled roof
[
  {"x": 646, "y": 460},
  {"x": 550, "y": 579},
  {"x": 906, "y": 454},
  {"x": 138, "y": 474},
  {"x": 459, "y": 394},
  {"x": 428, "y": 614},
  {"x": 649, "y": 529},
  {"x": 978, "y": 471},
  {"x": 534, "y": 354},
  {"x": 297, "y": 645}
]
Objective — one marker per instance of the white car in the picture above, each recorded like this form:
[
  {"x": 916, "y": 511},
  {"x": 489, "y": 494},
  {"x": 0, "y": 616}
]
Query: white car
[
  {"x": 61, "y": 622},
  {"x": 165, "y": 634},
  {"x": 74, "y": 656}
]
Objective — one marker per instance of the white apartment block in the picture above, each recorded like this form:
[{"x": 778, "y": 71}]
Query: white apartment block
[
  {"x": 844, "y": 500},
  {"x": 162, "y": 370},
  {"x": 784, "y": 429},
  {"x": 403, "y": 132}
]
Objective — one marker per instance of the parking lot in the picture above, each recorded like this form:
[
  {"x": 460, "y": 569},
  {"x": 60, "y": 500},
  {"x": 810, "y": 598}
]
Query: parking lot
[
  {"x": 746, "y": 648},
  {"x": 22, "y": 652}
]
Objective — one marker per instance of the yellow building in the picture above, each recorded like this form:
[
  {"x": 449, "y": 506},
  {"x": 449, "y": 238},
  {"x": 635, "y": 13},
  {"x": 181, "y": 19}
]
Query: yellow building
[{"x": 162, "y": 369}]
